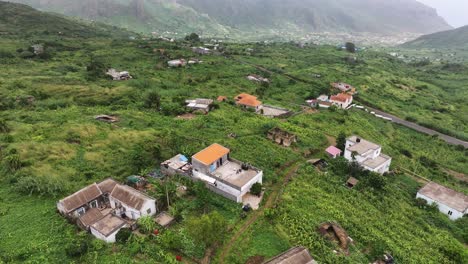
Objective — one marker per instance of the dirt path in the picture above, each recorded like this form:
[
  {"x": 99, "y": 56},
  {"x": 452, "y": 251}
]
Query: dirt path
[{"x": 289, "y": 171}]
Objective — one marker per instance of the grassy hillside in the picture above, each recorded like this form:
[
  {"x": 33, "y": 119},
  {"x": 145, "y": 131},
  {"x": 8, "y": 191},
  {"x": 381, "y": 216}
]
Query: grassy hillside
[
  {"x": 52, "y": 146},
  {"x": 456, "y": 39},
  {"x": 23, "y": 21}
]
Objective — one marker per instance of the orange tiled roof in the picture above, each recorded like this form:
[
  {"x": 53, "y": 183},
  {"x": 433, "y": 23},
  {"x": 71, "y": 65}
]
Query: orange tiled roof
[
  {"x": 247, "y": 99},
  {"x": 211, "y": 154},
  {"x": 341, "y": 97}
]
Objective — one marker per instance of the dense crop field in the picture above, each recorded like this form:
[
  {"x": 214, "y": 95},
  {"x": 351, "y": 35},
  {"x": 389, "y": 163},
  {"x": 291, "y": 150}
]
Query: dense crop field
[{"x": 50, "y": 145}]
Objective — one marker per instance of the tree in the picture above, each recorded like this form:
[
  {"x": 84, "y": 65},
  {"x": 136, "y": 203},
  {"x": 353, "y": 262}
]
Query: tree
[
  {"x": 123, "y": 235},
  {"x": 4, "y": 128},
  {"x": 208, "y": 229},
  {"x": 256, "y": 189},
  {"x": 350, "y": 47},
  {"x": 96, "y": 69},
  {"x": 153, "y": 100},
  {"x": 194, "y": 37},
  {"x": 376, "y": 181},
  {"x": 341, "y": 141}
]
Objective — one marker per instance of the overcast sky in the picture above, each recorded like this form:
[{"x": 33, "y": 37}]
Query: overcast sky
[{"x": 455, "y": 12}]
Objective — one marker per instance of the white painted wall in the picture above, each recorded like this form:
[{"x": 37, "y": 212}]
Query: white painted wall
[
  {"x": 442, "y": 207},
  {"x": 109, "y": 239},
  {"x": 133, "y": 213}
]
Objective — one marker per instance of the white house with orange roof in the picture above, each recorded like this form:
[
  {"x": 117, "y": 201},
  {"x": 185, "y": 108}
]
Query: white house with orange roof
[
  {"x": 224, "y": 175},
  {"x": 342, "y": 100},
  {"x": 249, "y": 102}
]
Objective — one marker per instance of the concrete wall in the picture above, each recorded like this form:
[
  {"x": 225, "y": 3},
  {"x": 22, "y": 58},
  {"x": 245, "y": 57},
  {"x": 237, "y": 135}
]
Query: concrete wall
[
  {"x": 109, "y": 239},
  {"x": 205, "y": 169},
  {"x": 442, "y": 207}
]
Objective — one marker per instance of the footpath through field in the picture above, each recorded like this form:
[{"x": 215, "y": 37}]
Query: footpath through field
[{"x": 289, "y": 171}]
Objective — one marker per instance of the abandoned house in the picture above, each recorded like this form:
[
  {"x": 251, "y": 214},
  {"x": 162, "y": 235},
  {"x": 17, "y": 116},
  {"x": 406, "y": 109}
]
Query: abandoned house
[
  {"x": 201, "y": 50},
  {"x": 295, "y": 255},
  {"x": 178, "y": 165},
  {"x": 104, "y": 208},
  {"x": 449, "y": 202},
  {"x": 224, "y": 175},
  {"x": 38, "y": 49},
  {"x": 107, "y": 118},
  {"x": 248, "y": 101},
  {"x": 334, "y": 232},
  {"x": 281, "y": 137},
  {"x": 199, "y": 104},
  {"x": 343, "y": 87},
  {"x": 341, "y": 100},
  {"x": 369, "y": 155},
  {"x": 257, "y": 78},
  {"x": 119, "y": 76},
  {"x": 177, "y": 63}
]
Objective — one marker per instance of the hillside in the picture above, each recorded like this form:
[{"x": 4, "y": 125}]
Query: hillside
[
  {"x": 22, "y": 20},
  {"x": 242, "y": 19},
  {"x": 451, "y": 39}
]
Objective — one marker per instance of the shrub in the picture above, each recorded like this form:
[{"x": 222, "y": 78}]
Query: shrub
[
  {"x": 123, "y": 235},
  {"x": 256, "y": 189},
  {"x": 27, "y": 54},
  {"x": 77, "y": 248},
  {"x": 146, "y": 224},
  {"x": 6, "y": 55},
  {"x": 4, "y": 128}
]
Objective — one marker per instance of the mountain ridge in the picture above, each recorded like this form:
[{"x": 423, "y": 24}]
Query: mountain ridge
[
  {"x": 240, "y": 18},
  {"x": 449, "y": 39}
]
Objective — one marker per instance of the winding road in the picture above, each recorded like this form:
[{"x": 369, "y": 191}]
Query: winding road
[{"x": 419, "y": 128}]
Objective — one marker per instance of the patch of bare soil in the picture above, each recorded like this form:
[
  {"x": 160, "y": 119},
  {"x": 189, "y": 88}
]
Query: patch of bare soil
[
  {"x": 458, "y": 175},
  {"x": 187, "y": 116}
]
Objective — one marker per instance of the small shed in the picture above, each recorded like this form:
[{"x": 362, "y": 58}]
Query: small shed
[
  {"x": 333, "y": 152},
  {"x": 164, "y": 219},
  {"x": 136, "y": 181},
  {"x": 352, "y": 182}
]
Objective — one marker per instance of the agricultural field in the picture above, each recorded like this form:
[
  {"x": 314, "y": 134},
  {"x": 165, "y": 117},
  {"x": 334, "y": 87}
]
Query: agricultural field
[{"x": 50, "y": 146}]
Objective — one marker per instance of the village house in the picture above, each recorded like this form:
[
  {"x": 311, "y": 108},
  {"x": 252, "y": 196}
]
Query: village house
[
  {"x": 343, "y": 87},
  {"x": 199, "y": 104},
  {"x": 312, "y": 102},
  {"x": 119, "y": 76},
  {"x": 249, "y": 102},
  {"x": 130, "y": 203},
  {"x": 333, "y": 152},
  {"x": 257, "y": 78},
  {"x": 341, "y": 100},
  {"x": 281, "y": 137},
  {"x": 104, "y": 208},
  {"x": 450, "y": 202},
  {"x": 295, "y": 255},
  {"x": 177, "y": 63},
  {"x": 201, "y": 50},
  {"x": 369, "y": 155},
  {"x": 224, "y": 175}
]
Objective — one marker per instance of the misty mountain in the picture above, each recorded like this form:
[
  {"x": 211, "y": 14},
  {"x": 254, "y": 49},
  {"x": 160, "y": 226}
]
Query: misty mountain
[
  {"x": 255, "y": 17},
  {"x": 450, "y": 39}
]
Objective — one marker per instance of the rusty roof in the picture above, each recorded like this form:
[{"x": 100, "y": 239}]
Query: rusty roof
[
  {"x": 444, "y": 195},
  {"x": 91, "y": 216},
  {"x": 107, "y": 185},
  {"x": 81, "y": 197},
  {"x": 295, "y": 255},
  {"x": 342, "y": 97},
  {"x": 211, "y": 154},
  {"x": 129, "y": 196},
  {"x": 248, "y": 100}
]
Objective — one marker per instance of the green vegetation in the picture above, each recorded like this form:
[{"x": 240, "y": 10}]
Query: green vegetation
[{"x": 51, "y": 145}]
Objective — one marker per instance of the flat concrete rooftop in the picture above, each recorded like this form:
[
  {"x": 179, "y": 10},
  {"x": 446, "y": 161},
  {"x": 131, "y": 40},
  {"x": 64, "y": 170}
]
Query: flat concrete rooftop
[{"x": 233, "y": 173}]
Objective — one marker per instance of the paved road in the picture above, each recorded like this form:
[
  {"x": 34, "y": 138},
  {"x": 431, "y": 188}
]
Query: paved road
[
  {"x": 449, "y": 139},
  {"x": 425, "y": 130}
]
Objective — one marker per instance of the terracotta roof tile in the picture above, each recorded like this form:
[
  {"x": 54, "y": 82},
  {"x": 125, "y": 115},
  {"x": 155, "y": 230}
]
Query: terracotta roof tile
[
  {"x": 211, "y": 154},
  {"x": 248, "y": 100}
]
